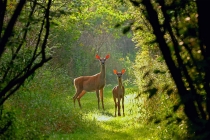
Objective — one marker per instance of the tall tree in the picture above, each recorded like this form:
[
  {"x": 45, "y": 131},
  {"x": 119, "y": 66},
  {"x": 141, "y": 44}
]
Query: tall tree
[
  {"x": 181, "y": 30},
  {"x": 24, "y": 30}
]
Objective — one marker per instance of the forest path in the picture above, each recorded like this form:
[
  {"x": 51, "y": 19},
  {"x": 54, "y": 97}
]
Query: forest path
[{"x": 98, "y": 124}]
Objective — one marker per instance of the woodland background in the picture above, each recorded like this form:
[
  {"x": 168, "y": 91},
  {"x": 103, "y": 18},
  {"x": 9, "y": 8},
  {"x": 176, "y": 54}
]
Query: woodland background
[{"x": 163, "y": 45}]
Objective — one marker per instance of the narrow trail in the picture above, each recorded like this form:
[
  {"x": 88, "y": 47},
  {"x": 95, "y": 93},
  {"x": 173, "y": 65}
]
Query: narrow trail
[{"x": 99, "y": 124}]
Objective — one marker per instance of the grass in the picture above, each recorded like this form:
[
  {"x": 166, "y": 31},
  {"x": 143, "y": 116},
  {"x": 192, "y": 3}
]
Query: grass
[
  {"x": 49, "y": 113},
  {"x": 101, "y": 124}
]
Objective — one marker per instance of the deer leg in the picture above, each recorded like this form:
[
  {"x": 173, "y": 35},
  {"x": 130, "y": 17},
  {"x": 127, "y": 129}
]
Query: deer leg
[
  {"x": 76, "y": 95},
  {"x": 80, "y": 96},
  {"x": 123, "y": 105},
  {"x": 115, "y": 104},
  {"x": 74, "y": 98},
  {"x": 102, "y": 98},
  {"x": 97, "y": 94},
  {"x": 119, "y": 106}
]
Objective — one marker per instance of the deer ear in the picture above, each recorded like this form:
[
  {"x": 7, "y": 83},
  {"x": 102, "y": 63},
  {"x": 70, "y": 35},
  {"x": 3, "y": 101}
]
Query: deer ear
[
  {"x": 107, "y": 56},
  {"x": 123, "y": 71},
  {"x": 115, "y": 71},
  {"x": 97, "y": 56}
]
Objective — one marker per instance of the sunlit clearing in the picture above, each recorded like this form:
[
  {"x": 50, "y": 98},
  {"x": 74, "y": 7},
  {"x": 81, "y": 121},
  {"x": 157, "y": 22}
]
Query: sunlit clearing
[
  {"x": 103, "y": 118},
  {"x": 98, "y": 117}
]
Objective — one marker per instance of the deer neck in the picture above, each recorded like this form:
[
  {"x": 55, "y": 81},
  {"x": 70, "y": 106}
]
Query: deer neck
[
  {"x": 102, "y": 73},
  {"x": 120, "y": 83}
]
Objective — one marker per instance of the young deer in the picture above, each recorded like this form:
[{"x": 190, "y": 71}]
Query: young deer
[
  {"x": 95, "y": 82},
  {"x": 119, "y": 92}
]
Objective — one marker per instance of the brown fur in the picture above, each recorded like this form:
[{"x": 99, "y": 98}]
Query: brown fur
[
  {"x": 118, "y": 93},
  {"x": 92, "y": 83}
]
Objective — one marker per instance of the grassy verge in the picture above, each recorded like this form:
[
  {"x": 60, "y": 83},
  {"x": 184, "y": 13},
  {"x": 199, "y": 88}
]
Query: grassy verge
[
  {"x": 48, "y": 112},
  {"x": 99, "y": 124}
]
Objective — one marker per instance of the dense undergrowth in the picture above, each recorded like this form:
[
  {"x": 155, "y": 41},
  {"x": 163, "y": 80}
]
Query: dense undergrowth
[{"x": 43, "y": 109}]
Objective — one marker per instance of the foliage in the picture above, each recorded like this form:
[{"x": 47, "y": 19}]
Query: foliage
[
  {"x": 151, "y": 74},
  {"x": 24, "y": 30},
  {"x": 180, "y": 30},
  {"x": 157, "y": 96},
  {"x": 41, "y": 109},
  {"x": 44, "y": 109},
  {"x": 88, "y": 27},
  {"x": 84, "y": 27}
]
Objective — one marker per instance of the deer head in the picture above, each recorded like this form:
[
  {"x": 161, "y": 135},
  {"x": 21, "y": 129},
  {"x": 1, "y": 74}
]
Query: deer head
[
  {"x": 102, "y": 60},
  {"x": 119, "y": 74}
]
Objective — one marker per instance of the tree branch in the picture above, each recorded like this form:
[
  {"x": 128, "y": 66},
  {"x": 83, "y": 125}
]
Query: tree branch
[{"x": 10, "y": 26}]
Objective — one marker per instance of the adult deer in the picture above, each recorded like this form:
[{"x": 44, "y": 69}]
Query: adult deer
[
  {"x": 119, "y": 92},
  {"x": 95, "y": 82}
]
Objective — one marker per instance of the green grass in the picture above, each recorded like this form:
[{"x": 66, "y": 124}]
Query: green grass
[
  {"x": 101, "y": 124},
  {"x": 49, "y": 113},
  {"x": 44, "y": 112}
]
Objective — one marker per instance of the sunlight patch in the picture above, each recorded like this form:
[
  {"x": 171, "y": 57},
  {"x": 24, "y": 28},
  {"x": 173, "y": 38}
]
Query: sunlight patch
[{"x": 103, "y": 118}]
